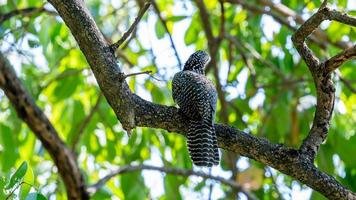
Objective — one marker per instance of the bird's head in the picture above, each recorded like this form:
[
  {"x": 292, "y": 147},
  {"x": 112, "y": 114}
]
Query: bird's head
[{"x": 197, "y": 62}]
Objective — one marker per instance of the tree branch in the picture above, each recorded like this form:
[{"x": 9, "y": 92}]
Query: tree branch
[
  {"x": 164, "y": 22},
  {"x": 36, "y": 120},
  {"x": 132, "y": 27},
  {"x": 137, "y": 73},
  {"x": 336, "y": 61},
  {"x": 180, "y": 172},
  {"x": 128, "y": 106},
  {"x": 321, "y": 75},
  {"x": 24, "y": 12}
]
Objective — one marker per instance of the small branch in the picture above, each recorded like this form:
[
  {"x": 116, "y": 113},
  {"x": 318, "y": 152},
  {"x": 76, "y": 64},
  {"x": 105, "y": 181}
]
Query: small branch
[
  {"x": 132, "y": 27},
  {"x": 336, "y": 61},
  {"x": 85, "y": 123},
  {"x": 23, "y": 12},
  {"x": 176, "y": 171},
  {"x": 222, "y": 22},
  {"x": 135, "y": 74},
  {"x": 164, "y": 22}
]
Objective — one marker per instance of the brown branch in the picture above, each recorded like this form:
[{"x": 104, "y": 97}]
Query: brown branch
[
  {"x": 137, "y": 73},
  {"x": 85, "y": 123},
  {"x": 336, "y": 61},
  {"x": 132, "y": 27},
  {"x": 222, "y": 21},
  {"x": 321, "y": 75},
  {"x": 36, "y": 120},
  {"x": 176, "y": 171},
  {"x": 134, "y": 111},
  {"x": 164, "y": 22}
]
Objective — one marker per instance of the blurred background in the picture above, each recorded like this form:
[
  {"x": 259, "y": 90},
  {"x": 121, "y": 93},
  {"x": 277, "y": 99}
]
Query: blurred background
[{"x": 264, "y": 88}]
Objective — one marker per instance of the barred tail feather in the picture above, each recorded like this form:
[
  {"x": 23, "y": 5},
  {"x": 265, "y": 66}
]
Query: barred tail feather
[
  {"x": 216, "y": 149},
  {"x": 202, "y": 144}
]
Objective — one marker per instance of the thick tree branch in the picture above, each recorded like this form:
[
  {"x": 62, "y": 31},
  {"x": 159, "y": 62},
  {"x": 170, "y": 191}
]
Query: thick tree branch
[
  {"x": 36, "y": 120},
  {"x": 129, "y": 106},
  {"x": 321, "y": 75},
  {"x": 168, "y": 170}
]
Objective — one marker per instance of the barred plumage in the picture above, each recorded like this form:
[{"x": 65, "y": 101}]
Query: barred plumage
[{"x": 196, "y": 97}]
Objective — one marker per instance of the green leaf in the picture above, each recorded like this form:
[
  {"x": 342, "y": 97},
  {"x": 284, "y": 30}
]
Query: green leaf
[
  {"x": 29, "y": 181},
  {"x": 66, "y": 87},
  {"x": 171, "y": 186},
  {"x": 176, "y": 18},
  {"x": 16, "y": 178},
  {"x": 102, "y": 193},
  {"x": 9, "y": 154},
  {"x": 191, "y": 35},
  {"x": 2, "y": 187},
  {"x": 160, "y": 30},
  {"x": 133, "y": 186},
  {"x": 35, "y": 196}
]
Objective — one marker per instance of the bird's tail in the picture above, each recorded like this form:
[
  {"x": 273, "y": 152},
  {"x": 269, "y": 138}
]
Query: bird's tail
[{"x": 202, "y": 143}]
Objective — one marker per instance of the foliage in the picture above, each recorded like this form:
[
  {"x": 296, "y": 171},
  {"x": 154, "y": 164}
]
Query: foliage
[{"x": 277, "y": 102}]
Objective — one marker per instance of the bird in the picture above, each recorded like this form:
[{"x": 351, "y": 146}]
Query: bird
[{"x": 196, "y": 97}]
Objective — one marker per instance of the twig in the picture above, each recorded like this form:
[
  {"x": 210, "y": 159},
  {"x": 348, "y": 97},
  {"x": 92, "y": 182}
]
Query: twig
[
  {"x": 164, "y": 22},
  {"x": 222, "y": 22},
  {"x": 24, "y": 12},
  {"x": 132, "y": 27},
  {"x": 135, "y": 74},
  {"x": 181, "y": 172},
  {"x": 323, "y": 4}
]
